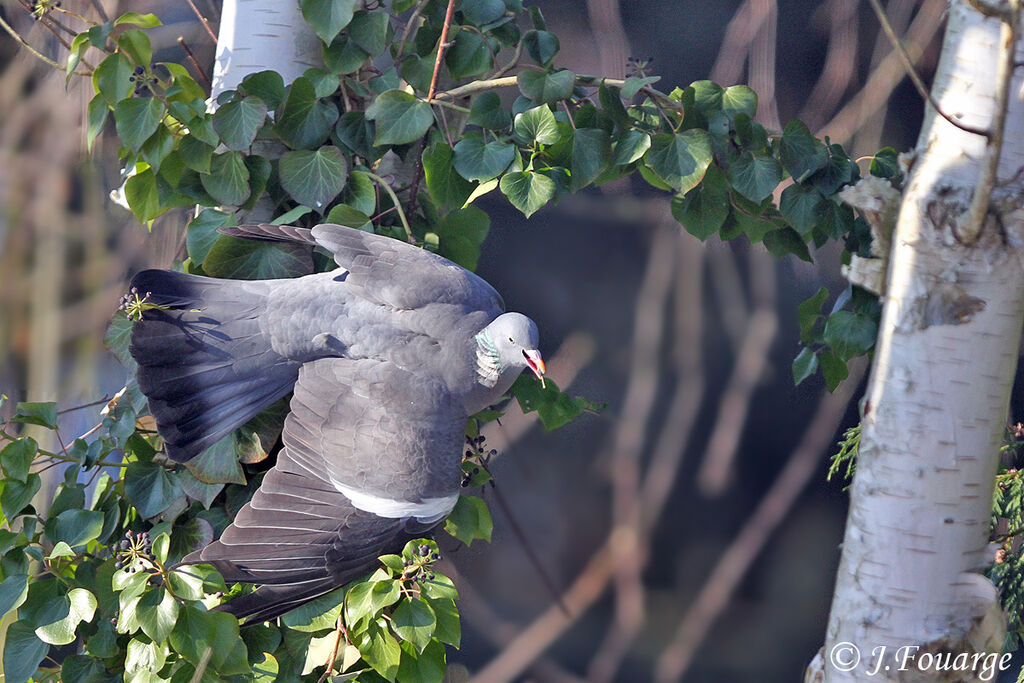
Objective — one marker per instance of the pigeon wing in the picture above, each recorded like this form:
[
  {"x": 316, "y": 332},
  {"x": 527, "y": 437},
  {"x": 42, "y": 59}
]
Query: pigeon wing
[{"x": 371, "y": 460}]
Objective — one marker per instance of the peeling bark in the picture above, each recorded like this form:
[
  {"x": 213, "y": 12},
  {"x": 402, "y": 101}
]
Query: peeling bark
[{"x": 917, "y": 532}]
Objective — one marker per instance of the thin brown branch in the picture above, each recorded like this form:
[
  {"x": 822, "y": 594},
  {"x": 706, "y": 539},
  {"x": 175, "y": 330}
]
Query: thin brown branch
[
  {"x": 412, "y": 26},
  {"x": 98, "y": 6},
  {"x": 34, "y": 52},
  {"x": 732, "y": 566},
  {"x": 441, "y": 45},
  {"x": 195, "y": 63},
  {"x": 908, "y": 66},
  {"x": 203, "y": 21}
]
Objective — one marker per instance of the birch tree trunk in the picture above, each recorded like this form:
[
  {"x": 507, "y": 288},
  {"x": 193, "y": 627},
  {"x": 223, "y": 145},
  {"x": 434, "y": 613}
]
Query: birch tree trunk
[
  {"x": 909, "y": 584},
  {"x": 256, "y": 35}
]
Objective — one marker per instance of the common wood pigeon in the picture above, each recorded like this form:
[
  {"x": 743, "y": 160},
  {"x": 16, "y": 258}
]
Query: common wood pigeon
[{"x": 387, "y": 356}]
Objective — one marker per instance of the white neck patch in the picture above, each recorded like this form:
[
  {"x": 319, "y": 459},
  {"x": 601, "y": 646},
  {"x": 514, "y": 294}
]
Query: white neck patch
[{"x": 426, "y": 511}]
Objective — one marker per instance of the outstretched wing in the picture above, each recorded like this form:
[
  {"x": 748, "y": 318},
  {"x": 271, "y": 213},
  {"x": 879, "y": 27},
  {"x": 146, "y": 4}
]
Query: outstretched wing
[
  {"x": 386, "y": 270},
  {"x": 371, "y": 460}
]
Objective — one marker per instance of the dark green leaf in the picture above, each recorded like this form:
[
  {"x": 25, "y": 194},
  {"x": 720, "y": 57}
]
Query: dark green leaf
[
  {"x": 13, "y": 592},
  {"x": 195, "y": 153},
  {"x": 449, "y": 629},
  {"x": 343, "y": 56},
  {"x": 356, "y": 134},
  {"x": 23, "y": 651},
  {"x": 110, "y": 79},
  {"x": 833, "y": 368},
  {"x": 400, "y": 117},
  {"x": 368, "y": 598},
  {"x": 244, "y": 259},
  {"x": 136, "y": 119},
  {"x": 739, "y": 99},
  {"x": 850, "y": 334},
  {"x": 78, "y": 527},
  {"x": 343, "y": 214},
  {"x": 327, "y": 17},
  {"x": 482, "y": 12},
  {"x": 554, "y": 407},
  {"x": 808, "y": 312},
  {"x": 16, "y": 458},
  {"x": 228, "y": 179},
  {"x": 140, "y": 191},
  {"x": 210, "y": 636},
  {"x": 839, "y": 171},
  {"x": 313, "y": 178},
  {"x": 633, "y": 85},
  {"x": 591, "y": 154},
  {"x": 304, "y": 121},
  {"x": 886, "y": 163},
  {"x": 136, "y": 45},
  {"x": 360, "y": 193},
  {"x": 413, "y": 621},
  {"x": 379, "y": 649},
  {"x": 461, "y": 233},
  {"x": 136, "y": 19},
  {"x": 469, "y": 56},
  {"x": 201, "y": 233},
  {"x": 268, "y": 86},
  {"x": 157, "y": 147},
  {"x": 542, "y": 46},
  {"x": 158, "y": 611},
  {"x": 17, "y": 495},
  {"x": 475, "y": 160},
  {"x": 238, "y": 122},
  {"x": 755, "y": 177},
  {"x": 424, "y": 667},
  {"x": 447, "y": 188},
  {"x": 97, "y": 118},
  {"x": 470, "y": 520},
  {"x": 537, "y": 125},
  {"x": 786, "y": 241},
  {"x": 151, "y": 488},
  {"x": 804, "y": 365},
  {"x": 703, "y": 210},
  {"x": 43, "y": 414},
  {"x": 801, "y": 206},
  {"x": 370, "y": 31},
  {"x": 487, "y": 112},
  {"x": 57, "y": 621},
  {"x": 546, "y": 88},
  {"x": 632, "y": 146},
  {"x": 528, "y": 191},
  {"x": 316, "y": 615},
  {"x": 800, "y": 152},
  {"x": 680, "y": 159},
  {"x": 79, "y": 45}
]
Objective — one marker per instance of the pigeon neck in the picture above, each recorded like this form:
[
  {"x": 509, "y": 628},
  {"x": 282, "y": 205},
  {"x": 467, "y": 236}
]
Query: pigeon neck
[{"x": 488, "y": 364}]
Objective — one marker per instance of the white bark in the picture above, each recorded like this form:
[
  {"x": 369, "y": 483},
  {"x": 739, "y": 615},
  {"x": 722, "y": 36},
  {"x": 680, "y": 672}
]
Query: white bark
[
  {"x": 916, "y": 536},
  {"x": 256, "y": 35}
]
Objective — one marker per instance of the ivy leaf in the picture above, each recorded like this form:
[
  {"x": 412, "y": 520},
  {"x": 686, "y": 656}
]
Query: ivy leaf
[
  {"x": 850, "y": 334},
  {"x": 201, "y": 233},
  {"x": 537, "y": 125},
  {"x": 267, "y": 86},
  {"x": 78, "y": 527},
  {"x": 316, "y": 615},
  {"x": 487, "y": 112},
  {"x": 303, "y": 121},
  {"x": 542, "y": 46},
  {"x": 110, "y": 79},
  {"x": 833, "y": 368},
  {"x": 369, "y": 30},
  {"x": 13, "y": 592},
  {"x": 470, "y": 520},
  {"x": 804, "y": 365},
  {"x": 475, "y": 160},
  {"x": 885, "y": 163},
  {"x": 680, "y": 159},
  {"x": 136, "y": 45},
  {"x": 195, "y": 153},
  {"x": 801, "y": 207},
  {"x": 23, "y": 651},
  {"x": 808, "y": 312},
  {"x": 136, "y": 119},
  {"x": 16, "y": 495},
  {"x": 482, "y": 12},
  {"x": 143, "y": 197},
  {"x": 546, "y": 88},
  {"x": 43, "y": 414},
  {"x": 755, "y": 176},
  {"x": 343, "y": 56},
  {"x": 591, "y": 154},
  {"x": 786, "y": 241},
  {"x": 57, "y": 621},
  {"x": 528, "y": 191},
  {"x": 327, "y": 17},
  {"x": 379, "y": 648},
  {"x": 150, "y": 488},
  {"x": 554, "y": 407},
  {"x": 157, "y": 147},
  {"x": 158, "y": 612},
  {"x": 461, "y": 234},
  {"x": 633, "y": 85},
  {"x": 800, "y": 152},
  {"x": 343, "y": 214},
  {"x": 245, "y": 259},
  {"x": 368, "y": 598},
  {"x": 97, "y": 118},
  {"x": 16, "y": 458},
  {"x": 446, "y": 187},
  {"x": 703, "y": 210},
  {"x": 448, "y": 629},
  {"x": 400, "y": 117},
  {"x": 839, "y": 171},
  {"x": 739, "y": 99},
  {"x": 631, "y": 147},
  {"x": 239, "y": 121},
  {"x": 136, "y": 19},
  {"x": 228, "y": 179},
  {"x": 469, "y": 56},
  {"x": 413, "y": 621},
  {"x": 143, "y": 657},
  {"x": 313, "y": 177},
  {"x": 210, "y": 636}
]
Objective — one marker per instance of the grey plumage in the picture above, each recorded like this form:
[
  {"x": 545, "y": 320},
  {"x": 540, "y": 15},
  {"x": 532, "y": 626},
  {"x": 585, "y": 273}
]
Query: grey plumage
[{"x": 387, "y": 356}]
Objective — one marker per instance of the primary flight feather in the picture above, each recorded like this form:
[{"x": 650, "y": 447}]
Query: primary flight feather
[{"x": 387, "y": 356}]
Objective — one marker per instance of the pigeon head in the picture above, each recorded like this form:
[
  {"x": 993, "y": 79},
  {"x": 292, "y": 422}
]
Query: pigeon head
[{"x": 510, "y": 343}]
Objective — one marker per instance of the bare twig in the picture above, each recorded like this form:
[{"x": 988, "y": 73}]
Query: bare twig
[
  {"x": 98, "y": 6},
  {"x": 734, "y": 562},
  {"x": 34, "y": 52},
  {"x": 195, "y": 63},
  {"x": 442, "y": 43},
  {"x": 412, "y": 26},
  {"x": 203, "y": 21}
]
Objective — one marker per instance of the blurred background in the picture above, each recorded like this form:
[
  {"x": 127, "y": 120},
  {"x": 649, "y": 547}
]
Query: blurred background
[{"x": 689, "y": 528}]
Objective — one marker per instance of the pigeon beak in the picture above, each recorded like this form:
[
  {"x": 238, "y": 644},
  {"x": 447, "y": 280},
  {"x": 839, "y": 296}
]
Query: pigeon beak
[{"x": 536, "y": 363}]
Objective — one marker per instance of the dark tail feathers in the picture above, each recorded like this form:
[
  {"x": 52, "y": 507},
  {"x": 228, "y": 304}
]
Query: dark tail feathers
[{"x": 204, "y": 362}]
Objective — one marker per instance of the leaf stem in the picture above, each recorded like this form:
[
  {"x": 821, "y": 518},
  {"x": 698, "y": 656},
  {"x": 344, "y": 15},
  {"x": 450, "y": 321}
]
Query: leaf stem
[{"x": 394, "y": 199}]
